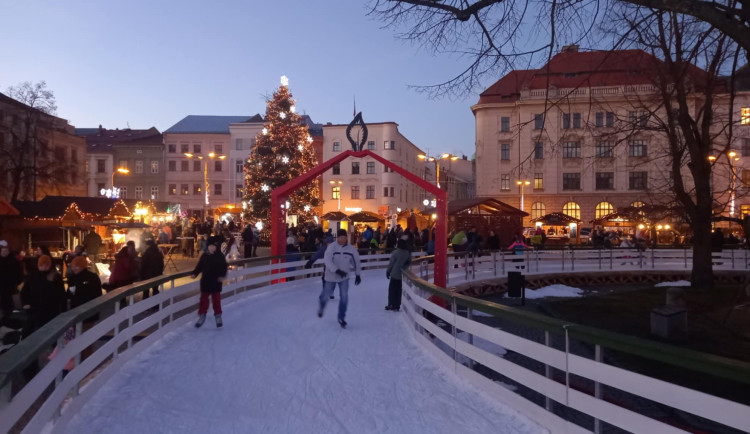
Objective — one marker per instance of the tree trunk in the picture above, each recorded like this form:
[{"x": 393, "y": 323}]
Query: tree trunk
[{"x": 702, "y": 276}]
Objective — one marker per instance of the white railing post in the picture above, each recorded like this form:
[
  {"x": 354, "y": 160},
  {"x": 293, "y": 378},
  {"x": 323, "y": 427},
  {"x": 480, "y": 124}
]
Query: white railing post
[
  {"x": 547, "y": 371},
  {"x": 572, "y": 259},
  {"x": 684, "y": 253},
  {"x": 470, "y": 317},
  {"x": 494, "y": 263},
  {"x": 653, "y": 259},
  {"x": 77, "y": 359},
  {"x": 116, "y": 331},
  {"x": 131, "y": 301},
  {"x": 611, "y": 252},
  {"x": 502, "y": 258},
  {"x": 598, "y": 387},
  {"x": 454, "y": 309},
  {"x": 600, "y": 257}
]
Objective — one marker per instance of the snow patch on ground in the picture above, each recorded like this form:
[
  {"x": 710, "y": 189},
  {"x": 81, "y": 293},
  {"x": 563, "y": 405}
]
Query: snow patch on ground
[
  {"x": 557, "y": 290},
  {"x": 677, "y": 283}
]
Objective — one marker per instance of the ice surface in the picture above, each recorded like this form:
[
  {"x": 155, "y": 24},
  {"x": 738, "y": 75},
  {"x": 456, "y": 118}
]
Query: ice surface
[{"x": 276, "y": 367}]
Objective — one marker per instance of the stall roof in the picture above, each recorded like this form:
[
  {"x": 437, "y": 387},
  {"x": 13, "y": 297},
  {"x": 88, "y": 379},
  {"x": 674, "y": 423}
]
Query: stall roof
[
  {"x": 366, "y": 217},
  {"x": 556, "y": 219},
  {"x": 7, "y": 209},
  {"x": 490, "y": 204},
  {"x": 335, "y": 216},
  {"x": 621, "y": 217}
]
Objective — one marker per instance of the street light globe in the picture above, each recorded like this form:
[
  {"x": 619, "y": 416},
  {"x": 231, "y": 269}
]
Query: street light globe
[
  {"x": 732, "y": 154},
  {"x": 426, "y": 202}
]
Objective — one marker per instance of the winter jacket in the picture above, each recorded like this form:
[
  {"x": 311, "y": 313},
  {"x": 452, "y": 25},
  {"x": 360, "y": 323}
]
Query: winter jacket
[
  {"x": 11, "y": 273},
  {"x": 211, "y": 267},
  {"x": 44, "y": 292},
  {"x": 123, "y": 270},
  {"x": 400, "y": 259},
  {"x": 152, "y": 263},
  {"x": 344, "y": 258},
  {"x": 87, "y": 287}
]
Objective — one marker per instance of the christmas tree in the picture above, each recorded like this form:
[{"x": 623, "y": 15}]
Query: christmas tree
[{"x": 283, "y": 151}]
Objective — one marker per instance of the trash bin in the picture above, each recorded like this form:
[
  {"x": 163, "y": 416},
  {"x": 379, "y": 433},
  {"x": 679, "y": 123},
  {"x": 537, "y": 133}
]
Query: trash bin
[{"x": 516, "y": 284}]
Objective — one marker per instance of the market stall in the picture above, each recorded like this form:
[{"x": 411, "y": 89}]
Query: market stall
[
  {"x": 335, "y": 220},
  {"x": 560, "y": 228}
]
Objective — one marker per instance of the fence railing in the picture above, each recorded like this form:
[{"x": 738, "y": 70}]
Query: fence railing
[
  {"x": 545, "y": 367},
  {"x": 128, "y": 326}
]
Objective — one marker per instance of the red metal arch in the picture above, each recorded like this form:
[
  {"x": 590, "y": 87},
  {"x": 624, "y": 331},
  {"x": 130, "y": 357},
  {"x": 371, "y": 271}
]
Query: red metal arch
[{"x": 279, "y": 195}]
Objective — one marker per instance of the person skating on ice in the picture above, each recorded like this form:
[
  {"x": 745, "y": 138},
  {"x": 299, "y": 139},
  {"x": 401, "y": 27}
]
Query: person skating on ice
[
  {"x": 212, "y": 266},
  {"x": 400, "y": 260},
  {"x": 341, "y": 258}
]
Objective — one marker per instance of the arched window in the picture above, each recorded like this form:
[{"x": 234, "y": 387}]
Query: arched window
[
  {"x": 572, "y": 209},
  {"x": 603, "y": 209},
  {"x": 537, "y": 210},
  {"x": 637, "y": 204}
]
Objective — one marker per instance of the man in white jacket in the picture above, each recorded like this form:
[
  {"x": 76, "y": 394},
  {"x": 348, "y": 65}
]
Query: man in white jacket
[{"x": 341, "y": 258}]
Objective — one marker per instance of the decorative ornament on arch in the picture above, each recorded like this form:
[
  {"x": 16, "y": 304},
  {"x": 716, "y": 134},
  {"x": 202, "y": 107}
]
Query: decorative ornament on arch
[{"x": 359, "y": 126}]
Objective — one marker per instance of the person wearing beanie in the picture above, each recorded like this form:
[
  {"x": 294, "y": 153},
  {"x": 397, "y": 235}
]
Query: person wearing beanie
[
  {"x": 12, "y": 275},
  {"x": 43, "y": 294},
  {"x": 341, "y": 258},
  {"x": 400, "y": 260},
  {"x": 212, "y": 266}
]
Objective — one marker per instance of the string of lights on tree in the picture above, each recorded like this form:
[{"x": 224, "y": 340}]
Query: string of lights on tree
[{"x": 283, "y": 151}]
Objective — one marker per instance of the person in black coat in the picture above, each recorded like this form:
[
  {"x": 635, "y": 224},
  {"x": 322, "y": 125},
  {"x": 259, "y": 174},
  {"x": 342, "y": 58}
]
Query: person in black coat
[
  {"x": 83, "y": 285},
  {"x": 43, "y": 294},
  {"x": 11, "y": 274},
  {"x": 152, "y": 265},
  {"x": 212, "y": 266},
  {"x": 247, "y": 240}
]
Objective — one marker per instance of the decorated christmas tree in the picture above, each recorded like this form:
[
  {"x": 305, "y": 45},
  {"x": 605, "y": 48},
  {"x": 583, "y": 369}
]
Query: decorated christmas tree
[{"x": 283, "y": 151}]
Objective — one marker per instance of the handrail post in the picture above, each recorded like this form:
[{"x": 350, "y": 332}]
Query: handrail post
[
  {"x": 600, "y": 258},
  {"x": 732, "y": 258},
  {"x": 653, "y": 260},
  {"x": 454, "y": 309},
  {"x": 684, "y": 252},
  {"x": 598, "y": 387},
  {"x": 572, "y": 259},
  {"x": 536, "y": 253},
  {"x": 563, "y": 258},
  {"x": 77, "y": 359},
  {"x": 547, "y": 371},
  {"x": 470, "y": 317},
  {"x": 611, "y": 252},
  {"x": 502, "y": 257},
  {"x": 494, "y": 263},
  {"x": 131, "y": 301},
  {"x": 116, "y": 330}
]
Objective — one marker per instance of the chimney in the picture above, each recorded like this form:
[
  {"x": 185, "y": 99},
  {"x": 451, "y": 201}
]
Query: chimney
[
  {"x": 572, "y": 48},
  {"x": 101, "y": 130}
]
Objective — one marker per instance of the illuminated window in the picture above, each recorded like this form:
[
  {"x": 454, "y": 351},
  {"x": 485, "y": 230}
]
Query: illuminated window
[
  {"x": 603, "y": 209},
  {"x": 336, "y": 192},
  {"x": 539, "y": 181},
  {"x": 638, "y": 204},
  {"x": 537, "y": 210},
  {"x": 745, "y": 115},
  {"x": 744, "y": 210},
  {"x": 572, "y": 209}
]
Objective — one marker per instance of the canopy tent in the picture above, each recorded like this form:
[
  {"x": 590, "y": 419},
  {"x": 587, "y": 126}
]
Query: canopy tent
[
  {"x": 366, "y": 217},
  {"x": 556, "y": 219}
]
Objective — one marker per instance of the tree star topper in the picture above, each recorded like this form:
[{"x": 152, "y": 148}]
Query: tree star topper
[{"x": 284, "y": 80}]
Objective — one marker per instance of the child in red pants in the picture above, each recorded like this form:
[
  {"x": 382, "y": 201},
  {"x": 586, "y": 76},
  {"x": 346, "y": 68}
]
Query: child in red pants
[{"x": 212, "y": 266}]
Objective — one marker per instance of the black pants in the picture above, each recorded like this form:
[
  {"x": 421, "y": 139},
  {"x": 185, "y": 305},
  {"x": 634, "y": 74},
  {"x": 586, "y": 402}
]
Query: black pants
[
  {"x": 394, "y": 293},
  {"x": 248, "y": 250}
]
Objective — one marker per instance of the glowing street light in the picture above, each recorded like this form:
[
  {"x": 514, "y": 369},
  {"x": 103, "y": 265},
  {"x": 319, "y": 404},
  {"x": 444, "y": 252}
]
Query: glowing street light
[
  {"x": 522, "y": 184},
  {"x": 335, "y": 183},
  {"x": 211, "y": 155},
  {"x": 436, "y": 160}
]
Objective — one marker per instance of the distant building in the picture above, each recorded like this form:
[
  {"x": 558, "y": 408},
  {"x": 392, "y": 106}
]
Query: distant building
[
  {"x": 141, "y": 152},
  {"x": 51, "y": 161},
  {"x": 242, "y": 136}
]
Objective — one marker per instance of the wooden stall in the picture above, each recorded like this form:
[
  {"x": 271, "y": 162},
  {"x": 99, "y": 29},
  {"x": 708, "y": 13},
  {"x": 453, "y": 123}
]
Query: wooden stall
[{"x": 560, "y": 228}]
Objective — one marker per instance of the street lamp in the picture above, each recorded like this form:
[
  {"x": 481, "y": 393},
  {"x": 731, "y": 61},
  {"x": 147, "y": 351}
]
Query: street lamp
[
  {"x": 436, "y": 160},
  {"x": 732, "y": 158},
  {"x": 211, "y": 155},
  {"x": 522, "y": 184},
  {"x": 334, "y": 183}
]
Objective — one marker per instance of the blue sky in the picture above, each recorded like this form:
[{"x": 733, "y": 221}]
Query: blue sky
[{"x": 152, "y": 62}]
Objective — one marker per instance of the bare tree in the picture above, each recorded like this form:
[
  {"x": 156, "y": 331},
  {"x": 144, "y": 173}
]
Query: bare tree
[{"x": 26, "y": 158}]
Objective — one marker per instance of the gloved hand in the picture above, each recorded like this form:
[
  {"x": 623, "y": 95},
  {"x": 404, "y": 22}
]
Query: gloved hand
[
  {"x": 357, "y": 280},
  {"x": 388, "y": 276},
  {"x": 341, "y": 273},
  {"x": 308, "y": 265}
]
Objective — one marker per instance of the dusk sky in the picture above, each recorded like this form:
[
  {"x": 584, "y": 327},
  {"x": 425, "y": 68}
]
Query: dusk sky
[{"x": 148, "y": 63}]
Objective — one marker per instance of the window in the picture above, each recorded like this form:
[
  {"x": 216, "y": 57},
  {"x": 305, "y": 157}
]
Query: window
[
  {"x": 537, "y": 210},
  {"x": 539, "y": 181},
  {"x": 184, "y": 166},
  {"x": 746, "y": 147},
  {"x": 336, "y": 146},
  {"x": 538, "y": 121},
  {"x": 638, "y": 180},
  {"x": 604, "y": 209},
  {"x": 239, "y": 166},
  {"x": 74, "y": 155},
  {"x": 337, "y": 169},
  {"x": 123, "y": 164},
  {"x": 217, "y": 189},
  {"x": 605, "y": 150},
  {"x": 605, "y": 181},
  {"x": 572, "y": 150},
  {"x": 185, "y": 189},
  {"x": 599, "y": 119},
  {"x": 355, "y": 192},
  {"x": 217, "y": 166},
  {"x": 218, "y": 147},
  {"x": 197, "y": 149},
  {"x": 387, "y": 169},
  {"x": 637, "y": 148},
  {"x": 59, "y": 153},
  {"x": 744, "y": 210},
  {"x": 745, "y": 116},
  {"x": 745, "y": 178},
  {"x": 184, "y": 148},
  {"x": 638, "y": 119},
  {"x": 138, "y": 167},
  {"x": 139, "y": 151},
  {"x": 576, "y": 120},
  {"x": 172, "y": 148},
  {"x": 173, "y": 189},
  {"x": 196, "y": 166},
  {"x": 571, "y": 181},
  {"x": 505, "y": 124},
  {"x": 154, "y": 166},
  {"x": 355, "y": 168},
  {"x": 139, "y": 192},
  {"x": 197, "y": 189},
  {"x": 610, "y": 119},
  {"x": 154, "y": 192},
  {"x": 238, "y": 191},
  {"x": 538, "y": 150},
  {"x": 101, "y": 166},
  {"x": 370, "y": 192},
  {"x": 505, "y": 182},
  {"x": 566, "y": 121},
  {"x": 172, "y": 166},
  {"x": 336, "y": 192},
  {"x": 371, "y": 167},
  {"x": 100, "y": 187},
  {"x": 238, "y": 144},
  {"x": 638, "y": 204},
  {"x": 505, "y": 152},
  {"x": 389, "y": 144},
  {"x": 371, "y": 145},
  {"x": 388, "y": 192},
  {"x": 572, "y": 209},
  {"x": 123, "y": 192}
]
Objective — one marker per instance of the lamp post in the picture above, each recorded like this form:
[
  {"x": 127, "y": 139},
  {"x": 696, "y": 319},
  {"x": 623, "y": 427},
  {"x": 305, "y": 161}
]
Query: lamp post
[
  {"x": 334, "y": 183},
  {"x": 436, "y": 160},
  {"x": 522, "y": 184},
  {"x": 211, "y": 156},
  {"x": 732, "y": 158}
]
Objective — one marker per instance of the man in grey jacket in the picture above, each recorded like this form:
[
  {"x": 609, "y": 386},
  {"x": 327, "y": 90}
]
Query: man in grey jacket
[
  {"x": 340, "y": 259},
  {"x": 400, "y": 260}
]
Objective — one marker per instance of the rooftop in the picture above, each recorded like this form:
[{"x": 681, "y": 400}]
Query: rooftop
[{"x": 199, "y": 124}]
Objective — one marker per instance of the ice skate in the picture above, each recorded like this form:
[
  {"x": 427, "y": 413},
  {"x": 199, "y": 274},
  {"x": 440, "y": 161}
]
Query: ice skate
[
  {"x": 219, "y": 322},
  {"x": 201, "y": 320}
]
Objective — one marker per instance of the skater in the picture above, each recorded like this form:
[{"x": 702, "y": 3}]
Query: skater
[
  {"x": 212, "y": 266},
  {"x": 340, "y": 259},
  {"x": 319, "y": 254},
  {"x": 400, "y": 260}
]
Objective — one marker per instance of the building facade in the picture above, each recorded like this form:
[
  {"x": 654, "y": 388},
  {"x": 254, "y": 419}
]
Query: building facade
[
  {"x": 141, "y": 152},
  {"x": 242, "y": 137},
  {"x": 366, "y": 185},
  {"x": 578, "y": 136},
  {"x": 40, "y": 154}
]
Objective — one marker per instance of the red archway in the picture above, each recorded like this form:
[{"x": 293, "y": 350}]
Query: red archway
[{"x": 279, "y": 195}]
